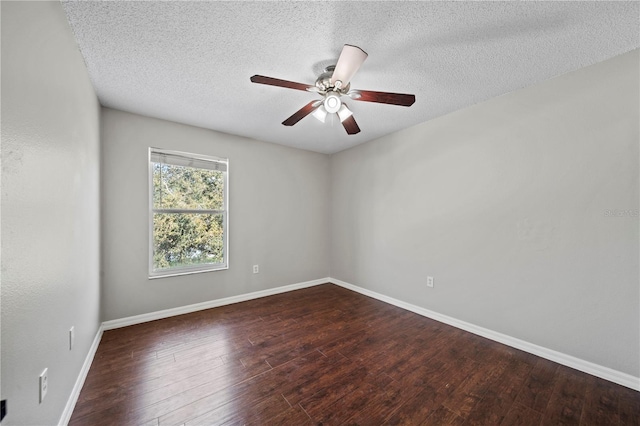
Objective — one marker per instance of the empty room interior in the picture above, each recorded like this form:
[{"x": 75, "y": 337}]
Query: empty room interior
[{"x": 288, "y": 213}]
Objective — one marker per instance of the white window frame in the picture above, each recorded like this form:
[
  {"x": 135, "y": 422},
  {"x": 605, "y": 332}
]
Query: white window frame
[{"x": 186, "y": 270}]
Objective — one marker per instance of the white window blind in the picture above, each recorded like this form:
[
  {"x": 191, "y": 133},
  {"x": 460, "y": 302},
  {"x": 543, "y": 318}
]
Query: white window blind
[{"x": 179, "y": 159}]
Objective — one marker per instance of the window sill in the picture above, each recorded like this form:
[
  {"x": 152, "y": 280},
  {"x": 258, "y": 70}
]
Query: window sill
[{"x": 180, "y": 273}]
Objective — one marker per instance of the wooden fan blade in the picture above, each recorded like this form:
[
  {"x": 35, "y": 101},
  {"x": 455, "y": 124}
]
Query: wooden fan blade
[
  {"x": 302, "y": 113},
  {"x": 350, "y": 60},
  {"x": 402, "y": 99},
  {"x": 261, "y": 79},
  {"x": 350, "y": 125}
]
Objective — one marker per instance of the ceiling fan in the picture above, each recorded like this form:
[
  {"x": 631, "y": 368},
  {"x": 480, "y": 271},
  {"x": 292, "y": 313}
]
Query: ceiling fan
[{"x": 334, "y": 83}]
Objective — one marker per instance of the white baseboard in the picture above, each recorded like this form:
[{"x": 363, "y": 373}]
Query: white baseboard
[
  {"x": 77, "y": 387},
  {"x": 606, "y": 373},
  {"x": 152, "y": 316}
]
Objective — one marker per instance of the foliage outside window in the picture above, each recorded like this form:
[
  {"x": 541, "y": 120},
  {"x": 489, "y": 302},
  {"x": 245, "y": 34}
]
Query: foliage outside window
[{"x": 188, "y": 219}]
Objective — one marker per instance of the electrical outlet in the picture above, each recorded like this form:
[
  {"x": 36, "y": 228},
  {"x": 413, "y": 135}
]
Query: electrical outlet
[
  {"x": 44, "y": 383},
  {"x": 256, "y": 269},
  {"x": 71, "y": 337},
  {"x": 429, "y": 281}
]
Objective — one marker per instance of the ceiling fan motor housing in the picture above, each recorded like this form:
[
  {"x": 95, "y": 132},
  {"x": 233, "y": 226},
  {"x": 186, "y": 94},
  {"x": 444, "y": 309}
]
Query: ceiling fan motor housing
[{"x": 323, "y": 83}]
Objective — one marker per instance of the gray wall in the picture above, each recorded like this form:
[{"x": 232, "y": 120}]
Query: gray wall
[
  {"x": 506, "y": 205},
  {"x": 278, "y": 215},
  {"x": 50, "y": 210}
]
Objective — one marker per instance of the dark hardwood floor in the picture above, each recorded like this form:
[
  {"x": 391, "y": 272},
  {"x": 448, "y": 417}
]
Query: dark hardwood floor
[{"x": 326, "y": 355}]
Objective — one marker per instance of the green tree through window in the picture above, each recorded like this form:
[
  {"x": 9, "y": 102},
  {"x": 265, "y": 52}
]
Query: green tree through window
[{"x": 189, "y": 212}]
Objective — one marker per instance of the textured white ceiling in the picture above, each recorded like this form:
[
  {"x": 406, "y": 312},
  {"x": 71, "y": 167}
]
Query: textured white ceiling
[{"x": 190, "y": 61}]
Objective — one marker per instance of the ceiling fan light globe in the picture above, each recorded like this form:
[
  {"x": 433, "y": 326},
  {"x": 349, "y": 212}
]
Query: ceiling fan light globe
[
  {"x": 344, "y": 112},
  {"x": 332, "y": 103},
  {"x": 320, "y": 113}
]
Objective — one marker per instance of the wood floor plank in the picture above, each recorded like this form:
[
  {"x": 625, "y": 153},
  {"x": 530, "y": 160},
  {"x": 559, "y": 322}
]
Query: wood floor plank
[
  {"x": 321, "y": 376},
  {"x": 521, "y": 415},
  {"x": 443, "y": 416},
  {"x": 292, "y": 416},
  {"x": 251, "y": 412},
  {"x": 381, "y": 406},
  {"x": 261, "y": 386},
  {"x": 537, "y": 389},
  {"x": 567, "y": 400},
  {"x": 326, "y": 355},
  {"x": 600, "y": 404},
  {"x": 337, "y": 408},
  {"x": 417, "y": 408},
  {"x": 499, "y": 398},
  {"x": 629, "y": 406},
  {"x": 470, "y": 392}
]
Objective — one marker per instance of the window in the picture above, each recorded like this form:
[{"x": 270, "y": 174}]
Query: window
[{"x": 188, "y": 228}]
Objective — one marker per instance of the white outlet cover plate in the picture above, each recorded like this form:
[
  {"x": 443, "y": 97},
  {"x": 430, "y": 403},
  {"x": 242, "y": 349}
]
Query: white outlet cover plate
[{"x": 44, "y": 383}]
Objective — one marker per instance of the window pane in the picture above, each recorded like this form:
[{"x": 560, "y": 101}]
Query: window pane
[
  {"x": 178, "y": 187},
  {"x": 187, "y": 239}
]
